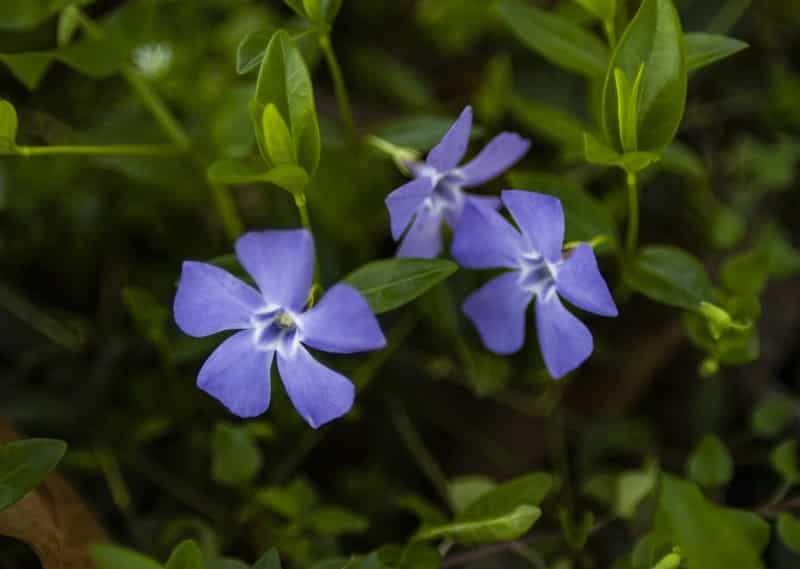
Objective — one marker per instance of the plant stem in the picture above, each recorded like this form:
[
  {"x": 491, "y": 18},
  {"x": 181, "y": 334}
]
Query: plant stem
[
  {"x": 342, "y": 98},
  {"x": 155, "y": 104},
  {"x": 633, "y": 215},
  {"x": 301, "y": 202},
  {"x": 227, "y": 210},
  {"x": 104, "y": 150}
]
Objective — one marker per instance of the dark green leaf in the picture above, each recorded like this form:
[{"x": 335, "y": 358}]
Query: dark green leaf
[
  {"x": 115, "y": 557},
  {"x": 784, "y": 460},
  {"x": 598, "y": 153},
  {"x": 391, "y": 283},
  {"x": 236, "y": 459},
  {"x": 418, "y": 131},
  {"x": 555, "y": 38},
  {"x": 24, "y": 464},
  {"x": 270, "y": 560},
  {"x": 549, "y": 122},
  {"x": 578, "y": 533},
  {"x": 789, "y": 531},
  {"x": 297, "y": 6},
  {"x": 149, "y": 316},
  {"x": 669, "y": 275},
  {"x": 772, "y": 415},
  {"x": 293, "y": 501},
  {"x": 411, "y": 556},
  {"x": 747, "y": 273},
  {"x": 654, "y": 40},
  {"x": 705, "y": 49},
  {"x": 8, "y": 127},
  {"x": 26, "y": 14},
  {"x": 186, "y": 556},
  {"x": 336, "y": 521},
  {"x": 710, "y": 464}
]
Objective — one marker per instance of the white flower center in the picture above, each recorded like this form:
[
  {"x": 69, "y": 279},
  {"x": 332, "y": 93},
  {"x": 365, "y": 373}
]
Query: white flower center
[
  {"x": 537, "y": 275},
  {"x": 275, "y": 328}
]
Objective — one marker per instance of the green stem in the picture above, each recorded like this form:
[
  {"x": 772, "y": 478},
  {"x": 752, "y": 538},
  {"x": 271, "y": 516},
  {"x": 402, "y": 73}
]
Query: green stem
[
  {"x": 97, "y": 150},
  {"x": 342, "y": 98},
  {"x": 301, "y": 202},
  {"x": 155, "y": 104},
  {"x": 633, "y": 215},
  {"x": 416, "y": 447},
  {"x": 227, "y": 211}
]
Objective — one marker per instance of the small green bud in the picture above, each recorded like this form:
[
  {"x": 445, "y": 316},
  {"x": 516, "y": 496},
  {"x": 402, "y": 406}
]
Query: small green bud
[
  {"x": 670, "y": 561},
  {"x": 709, "y": 368}
]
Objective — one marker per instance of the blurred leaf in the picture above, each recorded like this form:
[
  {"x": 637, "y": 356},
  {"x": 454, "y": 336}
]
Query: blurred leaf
[
  {"x": 705, "y": 49},
  {"x": 682, "y": 159},
  {"x": 710, "y": 465},
  {"x": 284, "y": 81},
  {"x": 411, "y": 556},
  {"x": 391, "y": 283},
  {"x": 772, "y": 415},
  {"x": 186, "y": 556},
  {"x": 454, "y": 25},
  {"x": 419, "y": 131},
  {"x": 494, "y": 93},
  {"x": 598, "y": 153},
  {"x": 576, "y": 534},
  {"x": 746, "y": 273},
  {"x": 784, "y": 260},
  {"x": 392, "y": 78},
  {"x": 654, "y": 40},
  {"x": 557, "y": 39},
  {"x": 784, "y": 461},
  {"x": 236, "y": 459},
  {"x": 293, "y": 501},
  {"x": 728, "y": 15},
  {"x": 424, "y": 510},
  {"x": 728, "y": 228},
  {"x": 549, "y": 122},
  {"x": 68, "y": 23},
  {"x": 26, "y": 14},
  {"x": 115, "y": 557},
  {"x": 632, "y": 487},
  {"x": 298, "y": 6},
  {"x": 24, "y": 464},
  {"x": 8, "y": 128},
  {"x": 466, "y": 489},
  {"x": 502, "y": 514},
  {"x": 789, "y": 531},
  {"x": 149, "y": 317},
  {"x": 270, "y": 560},
  {"x": 336, "y": 521},
  {"x": 232, "y": 171},
  {"x": 669, "y": 275},
  {"x": 604, "y": 10},
  {"x": 224, "y": 563}
]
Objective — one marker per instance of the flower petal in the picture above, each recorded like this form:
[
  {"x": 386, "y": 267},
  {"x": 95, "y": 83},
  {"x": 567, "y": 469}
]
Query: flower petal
[
  {"x": 492, "y": 202},
  {"x": 451, "y": 149},
  {"x": 424, "y": 237},
  {"x": 565, "y": 341},
  {"x": 281, "y": 263},
  {"x": 210, "y": 300},
  {"x": 237, "y": 374},
  {"x": 404, "y": 202},
  {"x": 485, "y": 240},
  {"x": 502, "y": 152},
  {"x": 541, "y": 219},
  {"x": 578, "y": 279},
  {"x": 498, "y": 311},
  {"x": 318, "y": 393},
  {"x": 342, "y": 323}
]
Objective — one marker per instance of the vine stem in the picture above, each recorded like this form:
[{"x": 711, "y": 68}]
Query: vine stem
[
  {"x": 632, "y": 240},
  {"x": 101, "y": 150},
  {"x": 342, "y": 97},
  {"x": 301, "y": 202}
]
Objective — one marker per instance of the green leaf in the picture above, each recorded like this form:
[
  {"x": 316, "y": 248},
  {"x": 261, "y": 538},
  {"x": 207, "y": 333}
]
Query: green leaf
[
  {"x": 555, "y": 38},
  {"x": 291, "y": 178},
  {"x": 419, "y": 131},
  {"x": 411, "y": 556},
  {"x": 669, "y": 275},
  {"x": 653, "y": 39},
  {"x": 576, "y": 534},
  {"x": 270, "y": 560},
  {"x": 772, "y": 415},
  {"x": 27, "y": 14},
  {"x": 68, "y": 23},
  {"x": 747, "y": 273},
  {"x": 586, "y": 217},
  {"x": 336, "y": 521},
  {"x": 789, "y": 531},
  {"x": 149, "y": 316},
  {"x": 313, "y": 9},
  {"x": 298, "y": 6},
  {"x": 293, "y": 501},
  {"x": 604, "y": 10},
  {"x": 251, "y": 49},
  {"x": 502, "y": 514},
  {"x": 186, "y": 556},
  {"x": 8, "y": 127},
  {"x": 784, "y": 460},
  {"x": 24, "y": 464},
  {"x": 598, "y": 153},
  {"x": 554, "y": 124},
  {"x": 466, "y": 489},
  {"x": 236, "y": 459},
  {"x": 277, "y": 139},
  {"x": 710, "y": 464},
  {"x": 704, "y": 49},
  {"x": 632, "y": 487},
  {"x": 115, "y": 557},
  {"x": 391, "y": 283},
  {"x": 284, "y": 81}
]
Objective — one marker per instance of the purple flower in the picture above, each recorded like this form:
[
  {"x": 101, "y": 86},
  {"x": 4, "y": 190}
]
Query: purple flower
[
  {"x": 271, "y": 321},
  {"x": 486, "y": 240},
  {"x": 436, "y": 193}
]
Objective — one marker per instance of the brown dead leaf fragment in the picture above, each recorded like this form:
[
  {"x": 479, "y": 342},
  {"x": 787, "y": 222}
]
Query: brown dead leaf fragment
[{"x": 53, "y": 520}]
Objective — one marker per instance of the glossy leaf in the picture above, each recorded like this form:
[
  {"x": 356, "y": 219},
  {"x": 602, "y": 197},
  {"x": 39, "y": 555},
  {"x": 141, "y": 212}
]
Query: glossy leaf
[
  {"x": 284, "y": 81},
  {"x": 186, "y": 556},
  {"x": 555, "y": 38},
  {"x": 710, "y": 464},
  {"x": 236, "y": 459},
  {"x": 108, "y": 556},
  {"x": 391, "y": 283},
  {"x": 8, "y": 127},
  {"x": 669, "y": 275},
  {"x": 704, "y": 49},
  {"x": 24, "y": 464},
  {"x": 654, "y": 40}
]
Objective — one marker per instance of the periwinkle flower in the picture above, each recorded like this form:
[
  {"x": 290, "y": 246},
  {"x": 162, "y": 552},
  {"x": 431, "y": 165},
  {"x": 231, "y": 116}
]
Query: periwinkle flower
[
  {"x": 486, "y": 240},
  {"x": 272, "y": 324},
  {"x": 436, "y": 192}
]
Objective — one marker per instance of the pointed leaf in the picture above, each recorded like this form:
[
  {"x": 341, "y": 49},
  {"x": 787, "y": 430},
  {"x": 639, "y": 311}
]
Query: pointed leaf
[
  {"x": 669, "y": 275},
  {"x": 186, "y": 556},
  {"x": 231, "y": 171},
  {"x": 115, "y": 557},
  {"x": 705, "y": 49},
  {"x": 710, "y": 464},
  {"x": 24, "y": 464}
]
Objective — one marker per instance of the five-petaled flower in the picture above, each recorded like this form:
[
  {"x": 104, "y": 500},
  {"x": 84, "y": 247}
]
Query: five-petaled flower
[
  {"x": 538, "y": 270},
  {"x": 436, "y": 193},
  {"x": 272, "y": 322}
]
